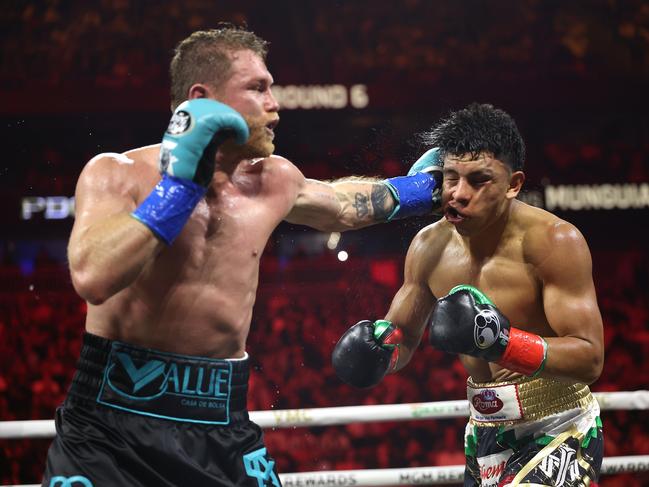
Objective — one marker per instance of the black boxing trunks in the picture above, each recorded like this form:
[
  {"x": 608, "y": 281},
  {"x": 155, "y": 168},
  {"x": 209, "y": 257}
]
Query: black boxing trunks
[
  {"x": 532, "y": 432},
  {"x": 140, "y": 417}
]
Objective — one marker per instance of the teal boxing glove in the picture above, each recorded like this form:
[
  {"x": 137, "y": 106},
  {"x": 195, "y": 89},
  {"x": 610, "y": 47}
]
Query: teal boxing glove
[
  {"x": 195, "y": 131},
  {"x": 429, "y": 162},
  {"x": 420, "y": 192},
  {"x": 189, "y": 146}
]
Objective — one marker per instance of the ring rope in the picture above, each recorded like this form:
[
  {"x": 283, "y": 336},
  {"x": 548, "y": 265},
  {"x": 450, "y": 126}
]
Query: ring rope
[
  {"x": 428, "y": 475},
  {"x": 387, "y": 412},
  {"x": 289, "y": 418},
  {"x": 421, "y": 475}
]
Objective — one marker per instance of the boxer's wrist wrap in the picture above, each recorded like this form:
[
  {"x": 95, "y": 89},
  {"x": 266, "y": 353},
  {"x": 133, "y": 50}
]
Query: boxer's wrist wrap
[
  {"x": 525, "y": 353},
  {"x": 390, "y": 337},
  {"x": 166, "y": 210},
  {"x": 413, "y": 195}
]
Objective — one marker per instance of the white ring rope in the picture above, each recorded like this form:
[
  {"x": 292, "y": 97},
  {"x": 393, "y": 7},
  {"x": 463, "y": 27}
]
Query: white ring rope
[
  {"x": 288, "y": 418},
  {"x": 452, "y": 474},
  {"x": 388, "y": 412}
]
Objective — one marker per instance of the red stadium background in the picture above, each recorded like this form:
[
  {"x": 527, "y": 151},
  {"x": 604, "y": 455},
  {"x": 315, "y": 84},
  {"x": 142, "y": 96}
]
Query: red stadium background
[{"x": 358, "y": 80}]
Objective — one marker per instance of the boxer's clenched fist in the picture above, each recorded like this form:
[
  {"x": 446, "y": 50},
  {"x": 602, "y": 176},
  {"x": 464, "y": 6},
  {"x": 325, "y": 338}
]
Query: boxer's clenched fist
[
  {"x": 195, "y": 131},
  {"x": 466, "y": 321},
  {"x": 189, "y": 145}
]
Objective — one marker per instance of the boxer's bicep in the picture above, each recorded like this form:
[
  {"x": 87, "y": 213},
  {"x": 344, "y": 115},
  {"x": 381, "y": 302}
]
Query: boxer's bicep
[
  {"x": 107, "y": 246},
  {"x": 569, "y": 298},
  {"x": 104, "y": 190},
  {"x": 570, "y": 305},
  {"x": 101, "y": 193}
]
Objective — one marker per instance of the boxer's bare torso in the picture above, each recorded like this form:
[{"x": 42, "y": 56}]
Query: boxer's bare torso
[
  {"x": 196, "y": 296},
  {"x": 534, "y": 266},
  {"x": 509, "y": 275}
]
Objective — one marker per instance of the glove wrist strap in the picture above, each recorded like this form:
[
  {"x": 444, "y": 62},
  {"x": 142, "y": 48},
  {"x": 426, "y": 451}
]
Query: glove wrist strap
[
  {"x": 413, "y": 195},
  {"x": 525, "y": 353},
  {"x": 166, "y": 210},
  {"x": 390, "y": 337}
]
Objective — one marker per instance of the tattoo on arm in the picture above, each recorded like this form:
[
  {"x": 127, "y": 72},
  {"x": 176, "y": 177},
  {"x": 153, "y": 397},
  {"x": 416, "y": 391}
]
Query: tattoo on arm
[
  {"x": 381, "y": 197},
  {"x": 372, "y": 201},
  {"x": 361, "y": 205}
]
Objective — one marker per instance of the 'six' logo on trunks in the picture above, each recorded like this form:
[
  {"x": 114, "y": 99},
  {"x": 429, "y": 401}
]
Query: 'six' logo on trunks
[
  {"x": 153, "y": 378},
  {"x": 486, "y": 329}
]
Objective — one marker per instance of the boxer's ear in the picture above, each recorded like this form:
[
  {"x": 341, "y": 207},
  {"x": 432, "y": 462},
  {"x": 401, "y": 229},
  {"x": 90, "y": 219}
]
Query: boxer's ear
[
  {"x": 516, "y": 181},
  {"x": 199, "y": 90}
]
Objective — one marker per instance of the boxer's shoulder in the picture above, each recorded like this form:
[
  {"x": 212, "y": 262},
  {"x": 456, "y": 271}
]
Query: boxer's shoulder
[
  {"x": 121, "y": 172},
  {"x": 279, "y": 175},
  {"x": 277, "y": 166},
  {"x": 142, "y": 159},
  {"x": 435, "y": 234},
  {"x": 544, "y": 234},
  {"x": 430, "y": 242}
]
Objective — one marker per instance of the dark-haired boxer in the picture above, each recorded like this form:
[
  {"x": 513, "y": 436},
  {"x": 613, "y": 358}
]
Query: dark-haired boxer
[
  {"x": 509, "y": 288},
  {"x": 165, "y": 249}
]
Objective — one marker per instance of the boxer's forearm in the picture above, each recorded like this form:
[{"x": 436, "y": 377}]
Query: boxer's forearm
[
  {"x": 342, "y": 205},
  {"x": 357, "y": 202},
  {"x": 363, "y": 202},
  {"x": 573, "y": 358},
  {"x": 109, "y": 255}
]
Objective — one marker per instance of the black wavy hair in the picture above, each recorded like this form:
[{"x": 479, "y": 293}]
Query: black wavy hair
[{"x": 479, "y": 128}]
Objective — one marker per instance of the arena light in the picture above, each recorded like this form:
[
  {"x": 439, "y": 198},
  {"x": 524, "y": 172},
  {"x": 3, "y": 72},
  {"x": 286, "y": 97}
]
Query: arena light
[
  {"x": 334, "y": 239},
  {"x": 343, "y": 256}
]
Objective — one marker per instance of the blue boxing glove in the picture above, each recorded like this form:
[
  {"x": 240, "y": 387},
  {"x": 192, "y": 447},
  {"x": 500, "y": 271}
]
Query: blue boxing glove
[
  {"x": 189, "y": 146},
  {"x": 420, "y": 192}
]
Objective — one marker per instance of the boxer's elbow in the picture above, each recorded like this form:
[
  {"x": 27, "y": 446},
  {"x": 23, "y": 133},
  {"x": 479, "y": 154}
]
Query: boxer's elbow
[
  {"x": 594, "y": 368},
  {"x": 590, "y": 365},
  {"x": 88, "y": 281},
  {"x": 90, "y": 287}
]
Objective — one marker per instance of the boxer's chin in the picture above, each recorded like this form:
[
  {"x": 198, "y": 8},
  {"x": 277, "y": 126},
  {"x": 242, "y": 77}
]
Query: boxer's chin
[
  {"x": 259, "y": 144},
  {"x": 260, "y": 148},
  {"x": 250, "y": 150}
]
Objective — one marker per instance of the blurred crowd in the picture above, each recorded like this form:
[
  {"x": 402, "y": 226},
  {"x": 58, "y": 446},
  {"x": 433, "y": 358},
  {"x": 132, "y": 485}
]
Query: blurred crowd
[
  {"x": 306, "y": 301},
  {"x": 127, "y": 43},
  {"x": 123, "y": 44},
  {"x": 304, "y": 304},
  {"x": 521, "y": 40}
]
